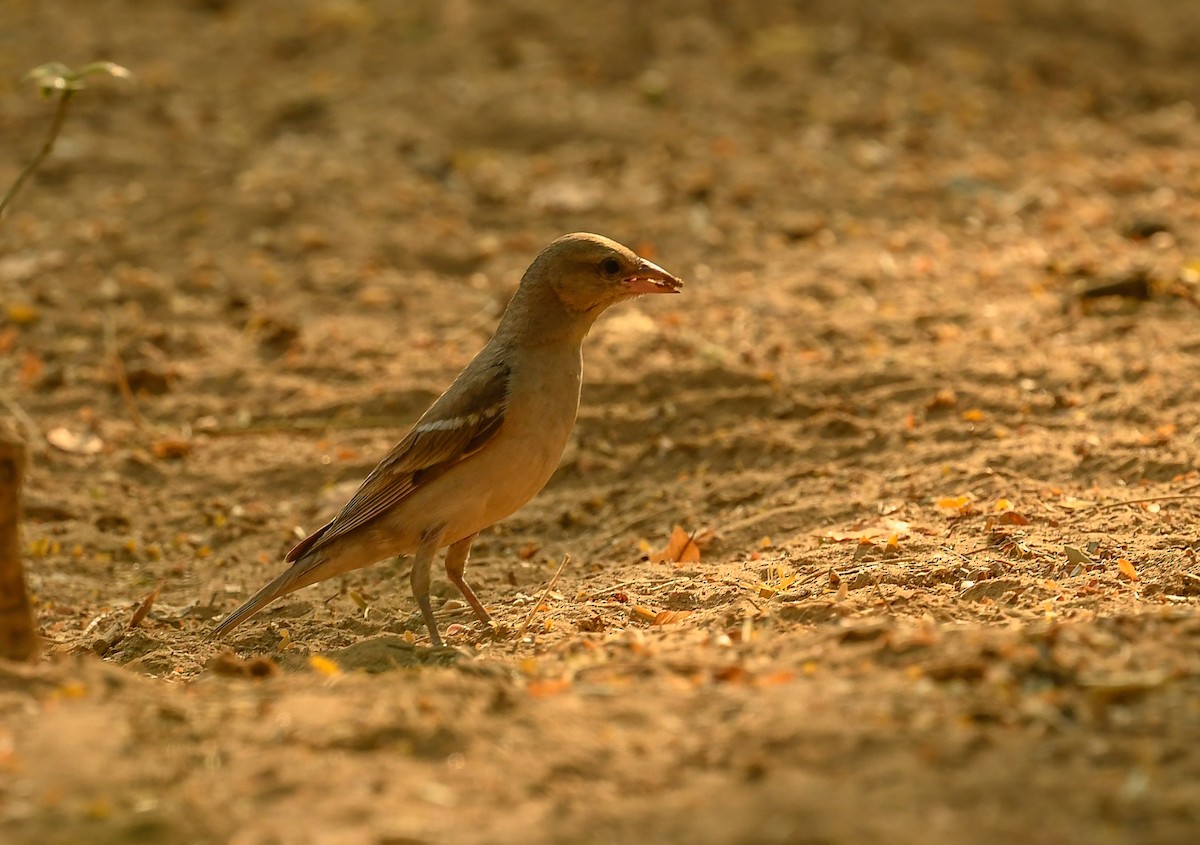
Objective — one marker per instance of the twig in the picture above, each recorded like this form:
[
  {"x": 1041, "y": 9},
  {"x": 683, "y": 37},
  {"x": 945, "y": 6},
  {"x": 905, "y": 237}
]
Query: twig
[
  {"x": 1171, "y": 497},
  {"x": 114, "y": 356},
  {"x": 654, "y": 588},
  {"x": 612, "y": 589},
  {"x": 651, "y": 586},
  {"x": 56, "y": 78},
  {"x": 59, "y": 113},
  {"x": 303, "y": 425},
  {"x": 542, "y": 598},
  {"x": 760, "y": 516}
]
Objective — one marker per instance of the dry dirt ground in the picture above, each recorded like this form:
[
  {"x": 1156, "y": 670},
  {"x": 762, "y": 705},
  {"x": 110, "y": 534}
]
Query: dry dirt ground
[{"x": 945, "y": 494}]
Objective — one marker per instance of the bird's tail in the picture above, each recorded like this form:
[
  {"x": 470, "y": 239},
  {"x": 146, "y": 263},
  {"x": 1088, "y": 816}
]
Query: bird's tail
[
  {"x": 256, "y": 603},
  {"x": 310, "y": 567},
  {"x": 300, "y": 574}
]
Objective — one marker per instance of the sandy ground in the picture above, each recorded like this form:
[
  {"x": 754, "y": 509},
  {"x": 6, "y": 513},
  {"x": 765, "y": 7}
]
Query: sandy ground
[{"x": 945, "y": 494}]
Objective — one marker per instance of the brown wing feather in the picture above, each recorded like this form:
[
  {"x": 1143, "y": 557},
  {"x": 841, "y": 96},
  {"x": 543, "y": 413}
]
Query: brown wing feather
[{"x": 457, "y": 426}]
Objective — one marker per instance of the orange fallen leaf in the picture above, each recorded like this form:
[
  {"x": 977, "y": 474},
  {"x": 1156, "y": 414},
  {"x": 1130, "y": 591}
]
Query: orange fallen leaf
[
  {"x": 776, "y": 678},
  {"x": 169, "y": 448},
  {"x": 681, "y": 548},
  {"x": 1127, "y": 569},
  {"x": 953, "y": 503},
  {"x": 547, "y": 688},
  {"x": 144, "y": 608},
  {"x": 1013, "y": 518},
  {"x": 643, "y": 613},
  {"x": 325, "y": 666},
  {"x": 732, "y": 674},
  {"x": 1161, "y": 436},
  {"x": 944, "y": 398},
  {"x": 22, "y": 315},
  {"x": 31, "y": 368},
  {"x": 666, "y": 617}
]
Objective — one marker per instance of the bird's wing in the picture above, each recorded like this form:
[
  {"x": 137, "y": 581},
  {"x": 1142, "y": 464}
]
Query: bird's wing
[{"x": 457, "y": 426}]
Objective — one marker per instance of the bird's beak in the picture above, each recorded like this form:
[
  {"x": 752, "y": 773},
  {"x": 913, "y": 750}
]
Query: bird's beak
[{"x": 650, "y": 278}]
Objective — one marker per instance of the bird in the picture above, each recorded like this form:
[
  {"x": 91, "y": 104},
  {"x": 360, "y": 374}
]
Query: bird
[{"x": 488, "y": 444}]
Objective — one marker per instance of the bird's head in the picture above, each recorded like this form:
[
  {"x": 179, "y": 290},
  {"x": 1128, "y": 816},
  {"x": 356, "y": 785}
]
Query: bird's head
[
  {"x": 571, "y": 282},
  {"x": 588, "y": 273}
]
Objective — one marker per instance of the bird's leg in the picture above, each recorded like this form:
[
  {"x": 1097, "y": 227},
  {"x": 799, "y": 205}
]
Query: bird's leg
[
  {"x": 456, "y": 567},
  {"x": 422, "y": 561}
]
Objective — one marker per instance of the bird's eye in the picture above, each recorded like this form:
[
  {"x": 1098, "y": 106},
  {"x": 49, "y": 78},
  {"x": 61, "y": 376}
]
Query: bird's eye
[{"x": 610, "y": 266}]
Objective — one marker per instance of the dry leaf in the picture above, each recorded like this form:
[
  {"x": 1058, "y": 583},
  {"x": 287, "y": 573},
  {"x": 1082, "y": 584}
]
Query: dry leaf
[
  {"x": 228, "y": 663},
  {"x": 643, "y": 613},
  {"x": 732, "y": 674},
  {"x": 1072, "y": 503},
  {"x": 22, "y": 315},
  {"x": 959, "y": 504},
  {"x": 544, "y": 689},
  {"x": 1075, "y": 555},
  {"x": 944, "y": 398},
  {"x": 1161, "y": 436},
  {"x": 775, "y": 679},
  {"x": 775, "y": 579},
  {"x": 76, "y": 444},
  {"x": 144, "y": 607},
  {"x": 666, "y": 617},
  {"x": 885, "y": 528},
  {"x": 681, "y": 548},
  {"x": 170, "y": 448},
  {"x": 325, "y": 666},
  {"x": 31, "y": 368},
  {"x": 1127, "y": 569}
]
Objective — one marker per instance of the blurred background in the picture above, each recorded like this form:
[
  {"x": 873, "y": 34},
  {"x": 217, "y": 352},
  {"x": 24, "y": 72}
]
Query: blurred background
[{"x": 942, "y": 261}]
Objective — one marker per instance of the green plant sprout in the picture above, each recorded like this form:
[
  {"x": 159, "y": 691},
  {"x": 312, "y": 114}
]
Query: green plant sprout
[{"x": 57, "y": 80}]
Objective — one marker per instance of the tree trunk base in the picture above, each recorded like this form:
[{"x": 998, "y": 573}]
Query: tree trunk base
[{"x": 18, "y": 637}]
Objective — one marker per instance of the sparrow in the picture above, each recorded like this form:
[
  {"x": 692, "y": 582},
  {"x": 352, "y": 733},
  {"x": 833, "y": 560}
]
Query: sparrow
[{"x": 489, "y": 443}]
